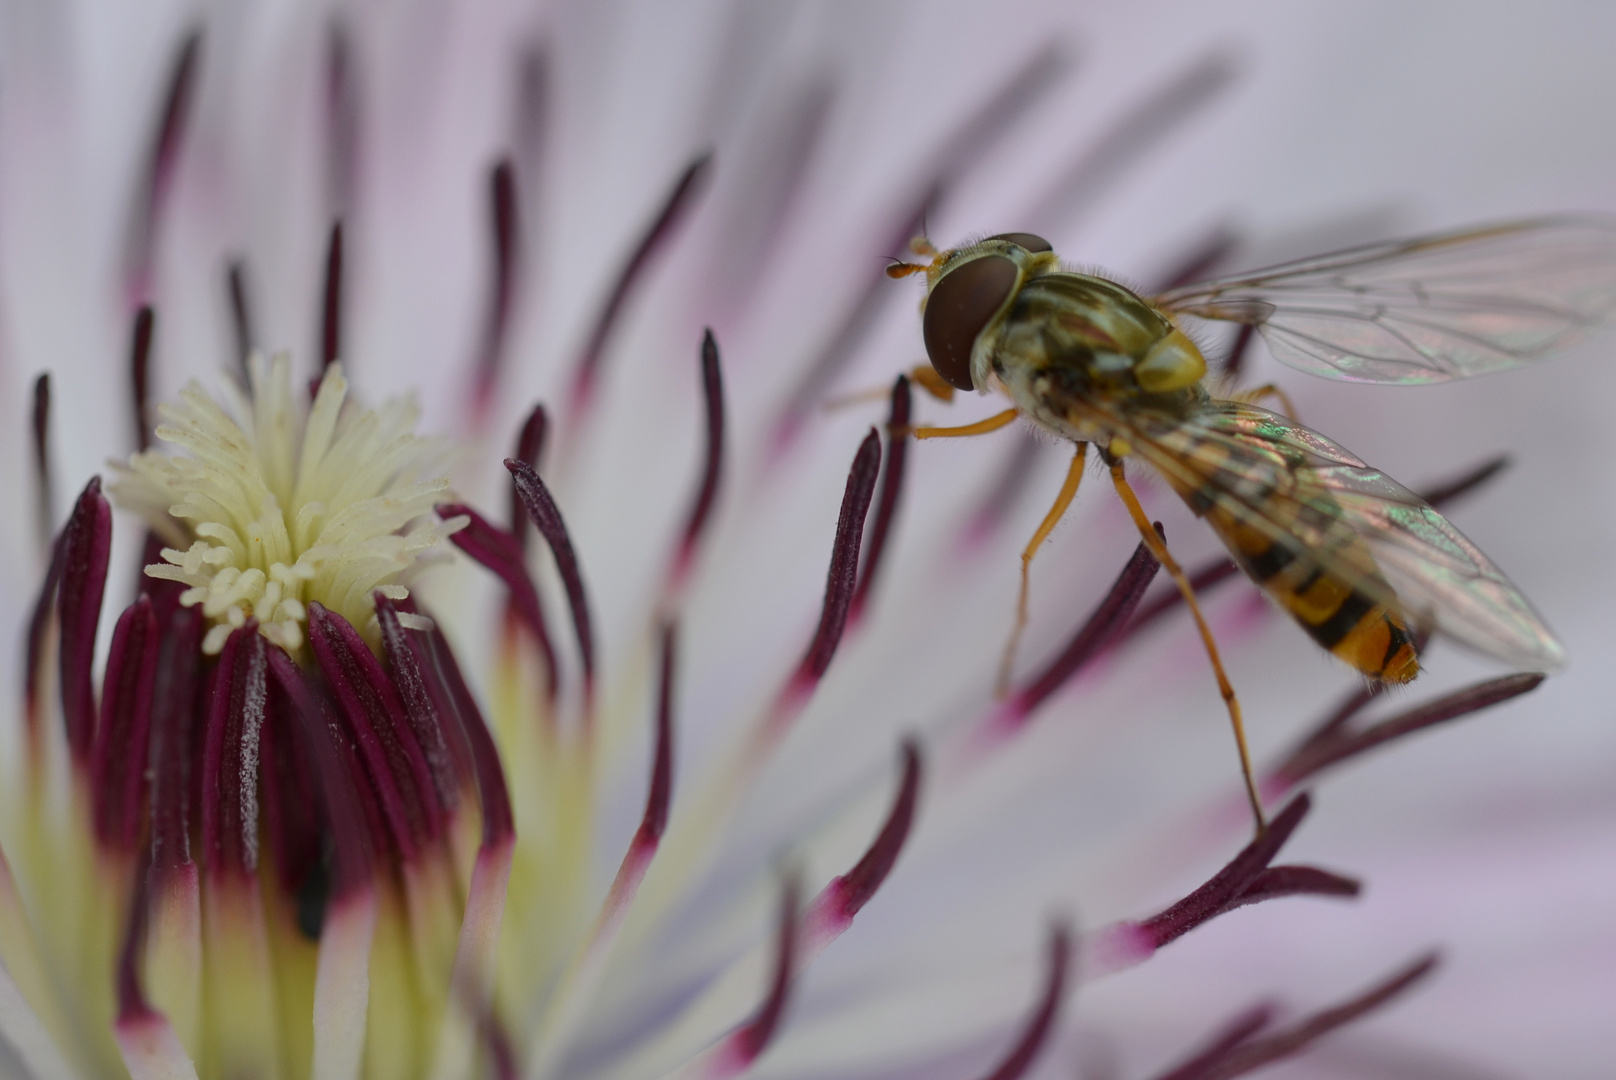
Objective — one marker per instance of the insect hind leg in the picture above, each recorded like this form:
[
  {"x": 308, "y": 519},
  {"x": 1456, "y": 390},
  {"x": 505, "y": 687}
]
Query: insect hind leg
[{"x": 1158, "y": 548}]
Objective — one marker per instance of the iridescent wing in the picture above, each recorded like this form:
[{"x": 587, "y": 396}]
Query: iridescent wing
[
  {"x": 1425, "y": 310},
  {"x": 1313, "y": 496}
]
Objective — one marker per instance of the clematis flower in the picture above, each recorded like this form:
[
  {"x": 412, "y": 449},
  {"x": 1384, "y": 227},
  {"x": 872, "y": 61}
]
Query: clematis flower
[{"x": 512, "y": 640}]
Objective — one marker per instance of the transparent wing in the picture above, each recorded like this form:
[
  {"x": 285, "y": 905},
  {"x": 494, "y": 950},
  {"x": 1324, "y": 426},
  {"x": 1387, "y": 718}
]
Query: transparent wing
[
  {"x": 1307, "y": 493},
  {"x": 1429, "y": 309}
]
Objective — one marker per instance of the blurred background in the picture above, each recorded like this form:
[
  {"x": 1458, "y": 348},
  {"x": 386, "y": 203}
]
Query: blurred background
[{"x": 1133, "y": 137}]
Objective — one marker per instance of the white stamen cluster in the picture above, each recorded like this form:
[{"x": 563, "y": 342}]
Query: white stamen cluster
[{"x": 274, "y": 503}]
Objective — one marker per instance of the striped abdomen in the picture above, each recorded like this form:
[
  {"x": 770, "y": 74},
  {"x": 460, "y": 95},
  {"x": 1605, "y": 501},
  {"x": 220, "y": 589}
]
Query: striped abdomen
[
  {"x": 1265, "y": 485},
  {"x": 1338, "y": 616}
]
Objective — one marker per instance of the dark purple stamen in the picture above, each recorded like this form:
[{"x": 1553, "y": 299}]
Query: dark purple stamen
[
  {"x": 533, "y": 95},
  {"x": 1202, "y": 579},
  {"x": 506, "y": 228},
  {"x": 140, "y": 342},
  {"x": 44, "y": 510},
  {"x": 1198, "y": 263},
  {"x": 891, "y": 489},
  {"x": 1239, "y": 350},
  {"x": 132, "y": 1004},
  {"x": 159, "y": 176},
  {"x": 1132, "y": 136},
  {"x": 1041, "y": 1024},
  {"x": 291, "y": 803},
  {"x": 530, "y": 443},
  {"x": 119, "y": 763},
  {"x": 235, "y": 719},
  {"x": 691, "y": 183},
  {"x": 377, "y": 723},
  {"x": 175, "y": 691},
  {"x": 420, "y": 708},
  {"x": 342, "y": 119},
  {"x": 165, "y": 595},
  {"x": 346, "y": 801},
  {"x": 753, "y": 1038},
  {"x": 1332, "y": 746},
  {"x": 1467, "y": 482},
  {"x": 38, "y": 627},
  {"x": 500, "y": 552},
  {"x": 1278, "y": 881},
  {"x": 453, "y": 697},
  {"x": 844, "y": 560},
  {"x": 547, "y": 517},
  {"x": 856, "y": 887},
  {"x": 1237, "y": 1052},
  {"x": 701, "y": 509},
  {"x": 331, "y": 310},
  {"x": 1103, "y": 626},
  {"x": 1228, "y": 884},
  {"x": 1354, "y": 702},
  {"x": 1234, "y": 1033},
  {"x": 500, "y": 1051},
  {"x": 660, "y": 793},
  {"x": 86, "y": 542},
  {"x": 240, "y": 313}
]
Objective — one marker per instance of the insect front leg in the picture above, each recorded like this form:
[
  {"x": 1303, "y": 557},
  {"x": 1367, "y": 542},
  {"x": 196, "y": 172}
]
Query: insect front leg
[
  {"x": 1068, "y": 491},
  {"x": 1268, "y": 390},
  {"x": 921, "y": 375},
  {"x": 981, "y": 427},
  {"x": 925, "y": 376},
  {"x": 1158, "y": 548}
]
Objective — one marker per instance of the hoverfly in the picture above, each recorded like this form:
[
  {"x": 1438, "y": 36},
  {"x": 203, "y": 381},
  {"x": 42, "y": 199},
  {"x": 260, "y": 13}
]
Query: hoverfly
[{"x": 1357, "y": 559}]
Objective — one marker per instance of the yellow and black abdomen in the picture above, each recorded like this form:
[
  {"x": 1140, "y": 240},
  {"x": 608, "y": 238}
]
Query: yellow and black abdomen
[{"x": 1337, "y": 615}]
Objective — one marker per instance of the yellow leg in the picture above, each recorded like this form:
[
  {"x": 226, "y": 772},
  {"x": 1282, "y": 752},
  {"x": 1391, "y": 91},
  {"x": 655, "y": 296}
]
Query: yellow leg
[
  {"x": 925, "y": 376},
  {"x": 981, "y": 427},
  {"x": 1068, "y": 491},
  {"x": 1269, "y": 390},
  {"x": 857, "y": 397},
  {"x": 1159, "y": 549}
]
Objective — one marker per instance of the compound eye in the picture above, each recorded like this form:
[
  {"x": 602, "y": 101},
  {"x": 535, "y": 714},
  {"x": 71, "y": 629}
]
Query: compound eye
[
  {"x": 1031, "y": 242},
  {"x": 959, "y": 307}
]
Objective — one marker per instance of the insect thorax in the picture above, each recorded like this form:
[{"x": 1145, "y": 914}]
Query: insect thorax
[{"x": 1073, "y": 349}]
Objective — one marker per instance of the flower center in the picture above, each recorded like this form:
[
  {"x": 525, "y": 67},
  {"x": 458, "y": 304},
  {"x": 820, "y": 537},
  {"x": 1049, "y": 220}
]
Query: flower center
[{"x": 272, "y": 503}]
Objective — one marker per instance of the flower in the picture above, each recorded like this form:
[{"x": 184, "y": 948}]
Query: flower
[{"x": 1017, "y": 849}]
